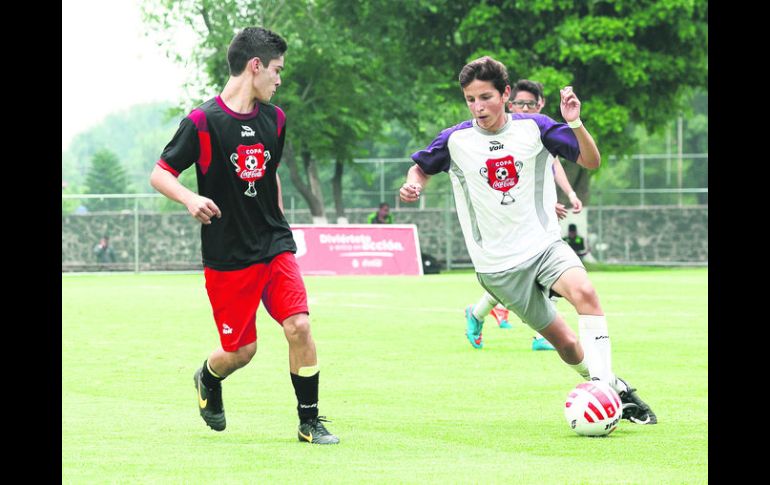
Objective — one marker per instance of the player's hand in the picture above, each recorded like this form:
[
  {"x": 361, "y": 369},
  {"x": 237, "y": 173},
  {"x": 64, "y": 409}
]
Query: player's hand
[
  {"x": 570, "y": 104},
  {"x": 577, "y": 204},
  {"x": 203, "y": 209},
  {"x": 410, "y": 192},
  {"x": 561, "y": 211}
]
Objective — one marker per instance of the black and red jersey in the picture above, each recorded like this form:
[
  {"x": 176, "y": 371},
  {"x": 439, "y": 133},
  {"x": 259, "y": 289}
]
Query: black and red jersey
[{"x": 236, "y": 159}]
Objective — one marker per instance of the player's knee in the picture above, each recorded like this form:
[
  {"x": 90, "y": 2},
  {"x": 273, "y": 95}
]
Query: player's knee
[
  {"x": 585, "y": 293},
  {"x": 297, "y": 326},
  {"x": 244, "y": 355}
]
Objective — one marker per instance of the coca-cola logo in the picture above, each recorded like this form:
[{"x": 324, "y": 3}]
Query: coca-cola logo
[
  {"x": 503, "y": 185},
  {"x": 251, "y": 174}
]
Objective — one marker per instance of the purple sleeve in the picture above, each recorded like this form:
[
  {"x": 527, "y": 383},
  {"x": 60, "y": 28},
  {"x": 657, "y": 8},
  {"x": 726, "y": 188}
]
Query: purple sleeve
[
  {"x": 558, "y": 138},
  {"x": 435, "y": 158}
]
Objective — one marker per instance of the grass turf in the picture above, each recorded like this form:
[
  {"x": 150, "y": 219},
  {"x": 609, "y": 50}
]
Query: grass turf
[{"x": 411, "y": 401}]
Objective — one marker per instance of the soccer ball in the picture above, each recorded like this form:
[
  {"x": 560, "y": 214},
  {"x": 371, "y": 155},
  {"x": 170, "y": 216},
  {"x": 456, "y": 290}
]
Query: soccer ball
[
  {"x": 593, "y": 408},
  {"x": 251, "y": 162},
  {"x": 501, "y": 173}
]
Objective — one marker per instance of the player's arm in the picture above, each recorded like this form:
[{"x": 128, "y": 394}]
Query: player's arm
[
  {"x": 570, "y": 110},
  {"x": 201, "y": 208},
  {"x": 280, "y": 194},
  {"x": 561, "y": 180},
  {"x": 415, "y": 181}
]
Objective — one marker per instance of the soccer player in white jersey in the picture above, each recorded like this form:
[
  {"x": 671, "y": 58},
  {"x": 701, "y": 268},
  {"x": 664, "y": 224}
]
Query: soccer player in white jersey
[
  {"x": 527, "y": 97},
  {"x": 500, "y": 168}
]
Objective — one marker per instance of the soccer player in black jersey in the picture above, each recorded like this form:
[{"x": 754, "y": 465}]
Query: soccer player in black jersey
[{"x": 235, "y": 141}]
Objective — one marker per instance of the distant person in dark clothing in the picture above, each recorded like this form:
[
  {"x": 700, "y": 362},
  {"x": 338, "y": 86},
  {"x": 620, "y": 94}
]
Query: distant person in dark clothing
[
  {"x": 382, "y": 215},
  {"x": 104, "y": 253},
  {"x": 577, "y": 243}
]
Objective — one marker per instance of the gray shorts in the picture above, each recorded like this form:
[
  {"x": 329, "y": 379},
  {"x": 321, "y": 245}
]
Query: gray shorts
[{"x": 524, "y": 289}]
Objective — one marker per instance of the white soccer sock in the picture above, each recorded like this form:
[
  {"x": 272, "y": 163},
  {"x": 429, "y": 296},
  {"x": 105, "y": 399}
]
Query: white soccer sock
[
  {"x": 596, "y": 344},
  {"x": 484, "y": 306},
  {"x": 537, "y": 335},
  {"x": 582, "y": 369}
]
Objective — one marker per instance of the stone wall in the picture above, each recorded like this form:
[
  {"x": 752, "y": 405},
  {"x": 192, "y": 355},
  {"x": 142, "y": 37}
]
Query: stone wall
[
  {"x": 171, "y": 241},
  {"x": 660, "y": 234}
]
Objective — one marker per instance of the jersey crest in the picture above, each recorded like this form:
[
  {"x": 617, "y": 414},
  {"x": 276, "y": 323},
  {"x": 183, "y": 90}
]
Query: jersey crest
[
  {"x": 502, "y": 174},
  {"x": 250, "y": 164}
]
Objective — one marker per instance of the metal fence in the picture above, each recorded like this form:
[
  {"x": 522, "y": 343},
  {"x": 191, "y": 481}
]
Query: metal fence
[
  {"x": 146, "y": 238},
  {"x": 642, "y": 212}
]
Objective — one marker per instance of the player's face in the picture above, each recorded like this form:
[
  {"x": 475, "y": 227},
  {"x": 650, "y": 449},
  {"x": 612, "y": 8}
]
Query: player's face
[
  {"x": 486, "y": 103},
  {"x": 528, "y": 98},
  {"x": 268, "y": 79}
]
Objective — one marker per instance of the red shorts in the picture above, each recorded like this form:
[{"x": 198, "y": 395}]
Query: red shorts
[{"x": 235, "y": 297}]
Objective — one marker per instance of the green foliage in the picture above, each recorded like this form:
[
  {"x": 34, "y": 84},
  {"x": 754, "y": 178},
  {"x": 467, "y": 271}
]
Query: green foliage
[
  {"x": 629, "y": 62},
  {"x": 137, "y": 135},
  {"x": 106, "y": 176},
  {"x": 662, "y": 173},
  {"x": 355, "y": 68},
  {"x": 69, "y": 206}
]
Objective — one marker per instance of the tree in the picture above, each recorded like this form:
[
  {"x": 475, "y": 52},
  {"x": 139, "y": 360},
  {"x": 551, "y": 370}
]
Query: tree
[
  {"x": 630, "y": 62},
  {"x": 336, "y": 92},
  {"x": 137, "y": 134},
  {"x": 353, "y": 65},
  {"x": 106, "y": 176}
]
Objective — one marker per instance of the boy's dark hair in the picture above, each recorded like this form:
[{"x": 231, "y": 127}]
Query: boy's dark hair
[
  {"x": 485, "y": 69},
  {"x": 254, "y": 42},
  {"x": 533, "y": 87}
]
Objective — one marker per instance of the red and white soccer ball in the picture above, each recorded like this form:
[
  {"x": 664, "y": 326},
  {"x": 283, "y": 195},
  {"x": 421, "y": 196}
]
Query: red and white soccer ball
[{"x": 593, "y": 408}]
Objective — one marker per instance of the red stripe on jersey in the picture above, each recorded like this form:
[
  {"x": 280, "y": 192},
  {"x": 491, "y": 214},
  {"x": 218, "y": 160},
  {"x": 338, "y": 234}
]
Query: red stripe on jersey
[
  {"x": 168, "y": 168},
  {"x": 198, "y": 117},
  {"x": 280, "y": 119},
  {"x": 205, "y": 157}
]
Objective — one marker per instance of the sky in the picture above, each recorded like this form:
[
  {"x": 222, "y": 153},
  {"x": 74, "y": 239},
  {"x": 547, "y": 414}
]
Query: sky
[{"x": 108, "y": 64}]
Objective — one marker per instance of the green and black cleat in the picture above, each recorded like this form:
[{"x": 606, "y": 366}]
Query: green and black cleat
[
  {"x": 634, "y": 409},
  {"x": 210, "y": 403},
  {"x": 313, "y": 431}
]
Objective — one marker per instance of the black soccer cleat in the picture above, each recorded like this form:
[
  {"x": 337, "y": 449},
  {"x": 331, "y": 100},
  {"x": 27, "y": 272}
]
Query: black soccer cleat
[
  {"x": 634, "y": 409},
  {"x": 313, "y": 431},
  {"x": 210, "y": 403}
]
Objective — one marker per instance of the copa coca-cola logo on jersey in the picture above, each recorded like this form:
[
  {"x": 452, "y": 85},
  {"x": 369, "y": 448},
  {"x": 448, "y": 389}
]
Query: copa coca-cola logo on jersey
[
  {"x": 250, "y": 164},
  {"x": 502, "y": 174}
]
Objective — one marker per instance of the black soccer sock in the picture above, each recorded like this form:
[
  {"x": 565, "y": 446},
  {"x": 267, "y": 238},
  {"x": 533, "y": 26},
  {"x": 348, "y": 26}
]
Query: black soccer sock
[
  {"x": 209, "y": 379},
  {"x": 306, "y": 389}
]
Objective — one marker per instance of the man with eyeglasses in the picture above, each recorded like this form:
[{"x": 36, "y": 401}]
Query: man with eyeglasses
[{"x": 526, "y": 97}]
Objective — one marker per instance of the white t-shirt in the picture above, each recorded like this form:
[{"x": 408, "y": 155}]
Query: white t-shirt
[{"x": 503, "y": 185}]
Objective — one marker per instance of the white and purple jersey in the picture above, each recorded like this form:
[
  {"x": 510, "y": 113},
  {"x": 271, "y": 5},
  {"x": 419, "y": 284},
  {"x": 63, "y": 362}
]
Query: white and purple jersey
[{"x": 503, "y": 185}]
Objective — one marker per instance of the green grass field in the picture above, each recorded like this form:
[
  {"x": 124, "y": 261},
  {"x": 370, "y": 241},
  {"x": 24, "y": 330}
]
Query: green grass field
[{"x": 411, "y": 401}]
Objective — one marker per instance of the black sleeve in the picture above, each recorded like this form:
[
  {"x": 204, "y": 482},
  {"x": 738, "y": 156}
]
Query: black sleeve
[{"x": 184, "y": 148}]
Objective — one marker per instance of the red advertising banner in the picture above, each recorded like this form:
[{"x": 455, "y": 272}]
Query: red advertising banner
[{"x": 358, "y": 249}]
